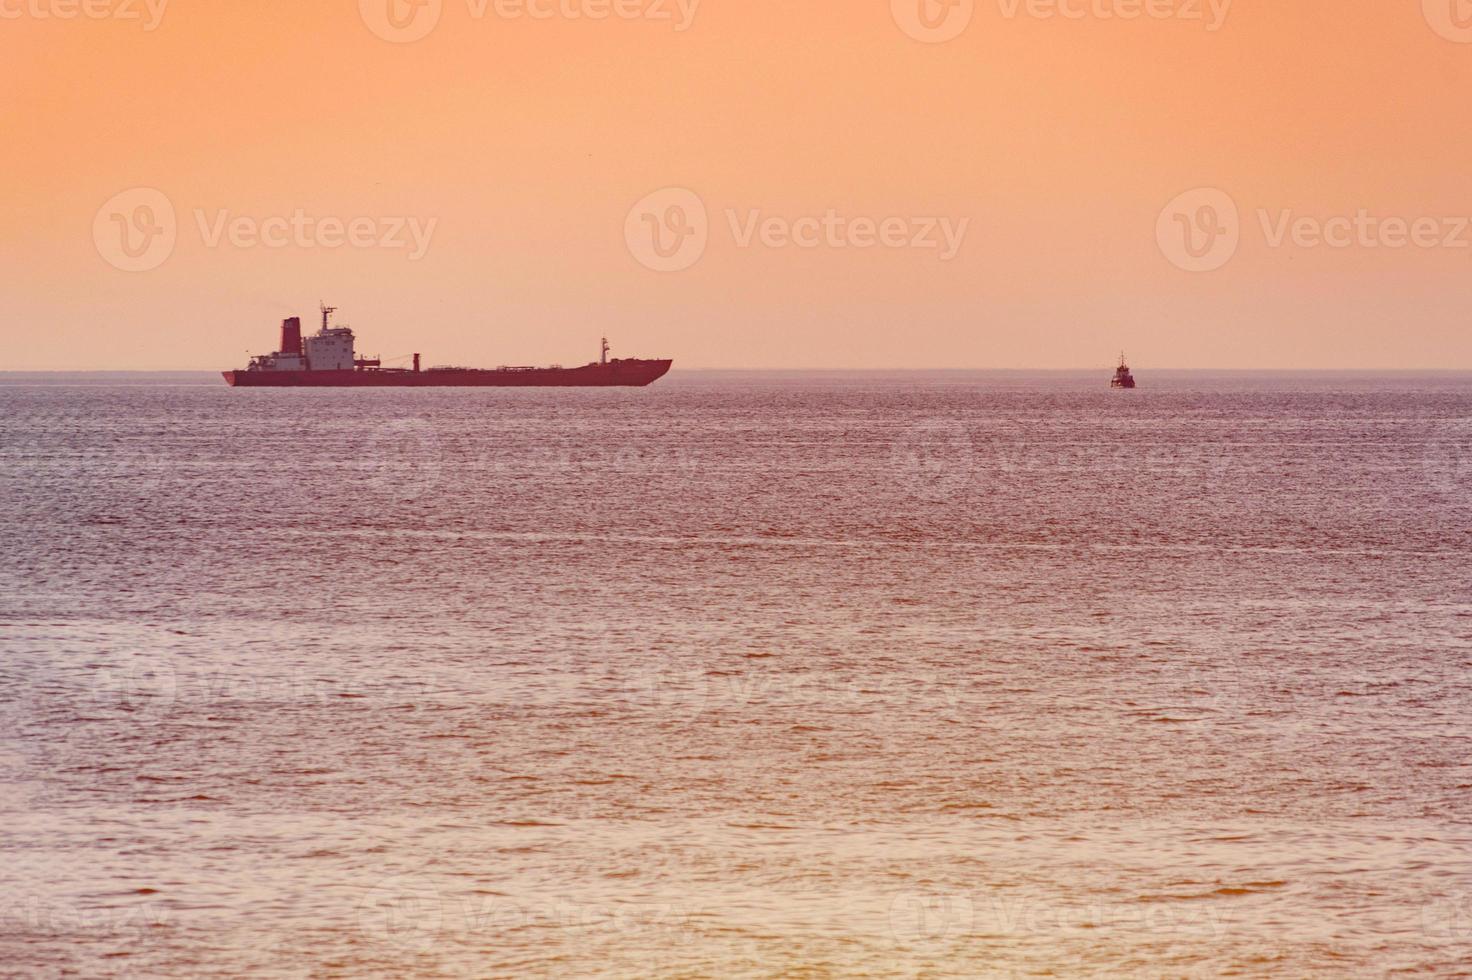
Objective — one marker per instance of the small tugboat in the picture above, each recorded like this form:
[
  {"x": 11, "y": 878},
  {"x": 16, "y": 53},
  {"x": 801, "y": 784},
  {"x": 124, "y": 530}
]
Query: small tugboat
[{"x": 1122, "y": 377}]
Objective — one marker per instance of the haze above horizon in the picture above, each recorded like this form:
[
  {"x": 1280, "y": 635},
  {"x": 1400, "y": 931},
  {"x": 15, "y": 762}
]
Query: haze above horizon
[{"x": 993, "y": 186}]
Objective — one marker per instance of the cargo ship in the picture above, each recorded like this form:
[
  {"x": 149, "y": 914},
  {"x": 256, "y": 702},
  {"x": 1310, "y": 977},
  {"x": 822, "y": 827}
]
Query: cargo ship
[{"x": 328, "y": 359}]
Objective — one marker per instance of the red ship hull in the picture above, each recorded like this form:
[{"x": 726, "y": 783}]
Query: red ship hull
[{"x": 627, "y": 373}]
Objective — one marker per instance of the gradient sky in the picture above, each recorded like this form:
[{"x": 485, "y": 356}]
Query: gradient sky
[{"x": 529, "y": 141}]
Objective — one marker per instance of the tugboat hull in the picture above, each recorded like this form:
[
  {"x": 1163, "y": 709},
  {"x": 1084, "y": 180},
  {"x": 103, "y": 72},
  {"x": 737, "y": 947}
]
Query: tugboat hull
[{"x": 1122, "y": 376}]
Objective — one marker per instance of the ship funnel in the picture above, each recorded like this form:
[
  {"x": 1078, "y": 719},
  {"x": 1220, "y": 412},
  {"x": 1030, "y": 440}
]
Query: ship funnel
[{"x": 291, "y": 335}]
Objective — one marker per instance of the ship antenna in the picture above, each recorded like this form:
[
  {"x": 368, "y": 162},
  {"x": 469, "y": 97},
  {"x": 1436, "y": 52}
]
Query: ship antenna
[{"x": 327, "y": 312}]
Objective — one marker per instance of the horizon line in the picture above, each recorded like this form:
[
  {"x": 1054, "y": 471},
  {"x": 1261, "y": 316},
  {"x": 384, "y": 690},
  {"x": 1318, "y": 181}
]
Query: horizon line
[{"x": 884, "y": 370}]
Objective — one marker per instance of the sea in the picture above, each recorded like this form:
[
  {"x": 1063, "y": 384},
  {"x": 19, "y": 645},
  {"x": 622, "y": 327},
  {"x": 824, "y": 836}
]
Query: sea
[{"x": 743, "y": 674}]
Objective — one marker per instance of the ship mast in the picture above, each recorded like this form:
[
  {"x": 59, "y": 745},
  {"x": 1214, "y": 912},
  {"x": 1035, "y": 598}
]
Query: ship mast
[
  {"x": 604, "y": 359},
  {"x": 327, "y": 312}
]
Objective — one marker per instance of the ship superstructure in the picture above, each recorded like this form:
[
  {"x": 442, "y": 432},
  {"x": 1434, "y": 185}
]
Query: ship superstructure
[
  {"x": 329, "y": 359},
  {"x": 329, "y": 349}
]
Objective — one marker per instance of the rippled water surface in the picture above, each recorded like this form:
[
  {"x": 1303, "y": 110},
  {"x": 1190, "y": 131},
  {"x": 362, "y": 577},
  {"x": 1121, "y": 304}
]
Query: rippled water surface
[{"x": 738, "y": 675}]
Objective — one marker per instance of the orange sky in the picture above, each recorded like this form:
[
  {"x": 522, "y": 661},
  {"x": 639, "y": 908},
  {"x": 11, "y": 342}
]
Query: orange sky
[{"x": 527, "y": 142}]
